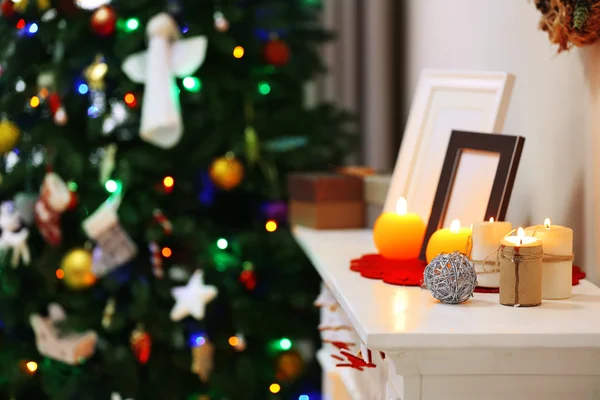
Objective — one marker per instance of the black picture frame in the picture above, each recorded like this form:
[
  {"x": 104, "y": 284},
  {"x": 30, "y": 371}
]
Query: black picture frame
[{"x": 509, "y": 149}]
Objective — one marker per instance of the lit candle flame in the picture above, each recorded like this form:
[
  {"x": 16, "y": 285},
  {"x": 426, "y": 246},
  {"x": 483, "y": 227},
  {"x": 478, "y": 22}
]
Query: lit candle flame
[
  {"x": 547, "y": 223},
  {"x": 491, "y": 219},
  {"x": 455, "y": 226},
  {"x": 401, "y": 206},
  {"x": 521, "y": 235}
]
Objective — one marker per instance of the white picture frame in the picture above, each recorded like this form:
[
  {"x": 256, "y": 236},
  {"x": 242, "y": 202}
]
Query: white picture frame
[{"x": 444, "y": 101}]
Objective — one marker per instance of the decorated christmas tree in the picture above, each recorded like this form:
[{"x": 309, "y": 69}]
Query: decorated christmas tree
[{"x": 144, "y": 248}]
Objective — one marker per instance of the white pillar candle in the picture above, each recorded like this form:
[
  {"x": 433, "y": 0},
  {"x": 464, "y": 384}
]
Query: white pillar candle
[
  {"x": 486, "y": 238},
  {"x": 557, "y": 275}
]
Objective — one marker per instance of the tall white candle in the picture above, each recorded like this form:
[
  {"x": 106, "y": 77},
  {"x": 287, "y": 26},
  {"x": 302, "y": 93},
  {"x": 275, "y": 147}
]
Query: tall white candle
[
  {"x": 557, "y": 275},
  {"x": 486, "y": 238}
]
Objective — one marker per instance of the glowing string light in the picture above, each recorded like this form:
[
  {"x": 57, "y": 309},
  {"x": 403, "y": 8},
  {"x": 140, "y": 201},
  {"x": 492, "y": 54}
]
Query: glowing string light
[
  {"x": 83, "y": 88},
  {"x": 197, "y": 339},
  {"x": 274, "y": 388},
  {"x": 132, "y": 24},
  {"x": 34, "y": 102},
  {"x": 168, "y": 182},
  {"x": 271, "y": 226},
  {"x": 111, "y": 186},
  {"x": 192, "y": 84},
  {"x": 234, "y": 341},
  {"x": 60, "y": 274},
  {"x": 31, "y": 366},
  {"x": 130, "y": 100},
  {"x": 264, "y": 88},
  {"x": 238, "y": 52},
  {"x": 222, "y": 244},
  {"x": 285, "y": 344}
]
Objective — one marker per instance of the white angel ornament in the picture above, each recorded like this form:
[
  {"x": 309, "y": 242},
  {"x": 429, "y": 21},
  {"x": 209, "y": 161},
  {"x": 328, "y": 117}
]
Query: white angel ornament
[
  {"x": 14, "y": 236},
  {"x": 168, "y": 56}
]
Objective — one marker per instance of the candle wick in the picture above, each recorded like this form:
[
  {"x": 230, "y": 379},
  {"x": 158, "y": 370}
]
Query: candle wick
[{"x": 520, "y": 241}]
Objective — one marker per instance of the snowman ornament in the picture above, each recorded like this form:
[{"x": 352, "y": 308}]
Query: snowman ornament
[{"x": 167, "y": 57}]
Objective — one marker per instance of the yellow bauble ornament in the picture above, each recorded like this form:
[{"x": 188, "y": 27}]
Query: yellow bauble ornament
[
  {"x": 77, "y": 269},
  {"x": 9, "y": 136},
  {"x": 226, "y": 172}
]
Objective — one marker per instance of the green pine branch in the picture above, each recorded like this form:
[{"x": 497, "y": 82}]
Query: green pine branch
[{"x": 581, "y": 14}]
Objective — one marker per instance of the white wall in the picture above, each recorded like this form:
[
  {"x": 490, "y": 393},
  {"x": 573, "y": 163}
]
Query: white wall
[{"x": 548, "y": 106}]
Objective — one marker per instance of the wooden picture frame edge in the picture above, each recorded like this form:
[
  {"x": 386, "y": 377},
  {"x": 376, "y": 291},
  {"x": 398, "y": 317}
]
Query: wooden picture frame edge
[{"x": 509, "y": 148}]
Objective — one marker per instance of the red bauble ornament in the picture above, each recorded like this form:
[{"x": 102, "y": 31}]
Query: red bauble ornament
[
  {"x": 248, "y": 279},
  {"x": 54, "y": 103},
  {"x": 8, "y": 9},
  {"x": 276, "y": 52},
  {"x": 104, "y": 21},
  {"x": 141, "y": 343}
]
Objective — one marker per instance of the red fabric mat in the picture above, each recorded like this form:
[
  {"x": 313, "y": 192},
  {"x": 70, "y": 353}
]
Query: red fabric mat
[{"x": 410, "y": 272}]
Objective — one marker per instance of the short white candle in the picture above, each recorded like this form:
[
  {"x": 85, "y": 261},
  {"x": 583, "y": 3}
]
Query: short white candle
[
  {"x": 557, "y": 276},
  {"x": 486, "y": 239}
]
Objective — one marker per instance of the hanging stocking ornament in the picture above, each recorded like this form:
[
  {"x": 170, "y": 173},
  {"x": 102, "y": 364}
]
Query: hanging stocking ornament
[
  {"x": 53, "y": 201},
  {"x": 167, "y": 57},
  {"x": 114, "y": 247}
]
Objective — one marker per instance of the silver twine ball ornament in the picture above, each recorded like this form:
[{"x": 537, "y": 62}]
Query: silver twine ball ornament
[{"x": 451, "y": 278}]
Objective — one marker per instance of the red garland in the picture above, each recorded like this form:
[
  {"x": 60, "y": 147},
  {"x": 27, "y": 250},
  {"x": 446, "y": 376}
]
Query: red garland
[
  {"x": 352, "y": 361},
  {"x": 410, "y": 272}
]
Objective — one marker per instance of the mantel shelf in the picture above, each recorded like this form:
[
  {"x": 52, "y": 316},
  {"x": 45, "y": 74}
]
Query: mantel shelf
[{"x": 390, "y": 317}]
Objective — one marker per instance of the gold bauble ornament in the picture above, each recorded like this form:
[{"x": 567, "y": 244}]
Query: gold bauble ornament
[
  {"x": 9, "y": 136},
  {"x": 226, "y": 172},
  {"x": 21, "y": 5},
  {"x": 43, "y": 5},
  {"x": 96, "y": 72},
  {"x": 77, "y": 269}
]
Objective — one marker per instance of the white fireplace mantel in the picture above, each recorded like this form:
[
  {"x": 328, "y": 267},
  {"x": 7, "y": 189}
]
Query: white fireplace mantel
[{"x": 479, "y": 349}]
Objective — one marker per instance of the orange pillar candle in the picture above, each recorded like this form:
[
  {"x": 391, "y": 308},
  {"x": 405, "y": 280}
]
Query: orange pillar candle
[
  {"x": 448, "y": 240},
  {"x": 399, "y": 235}
]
